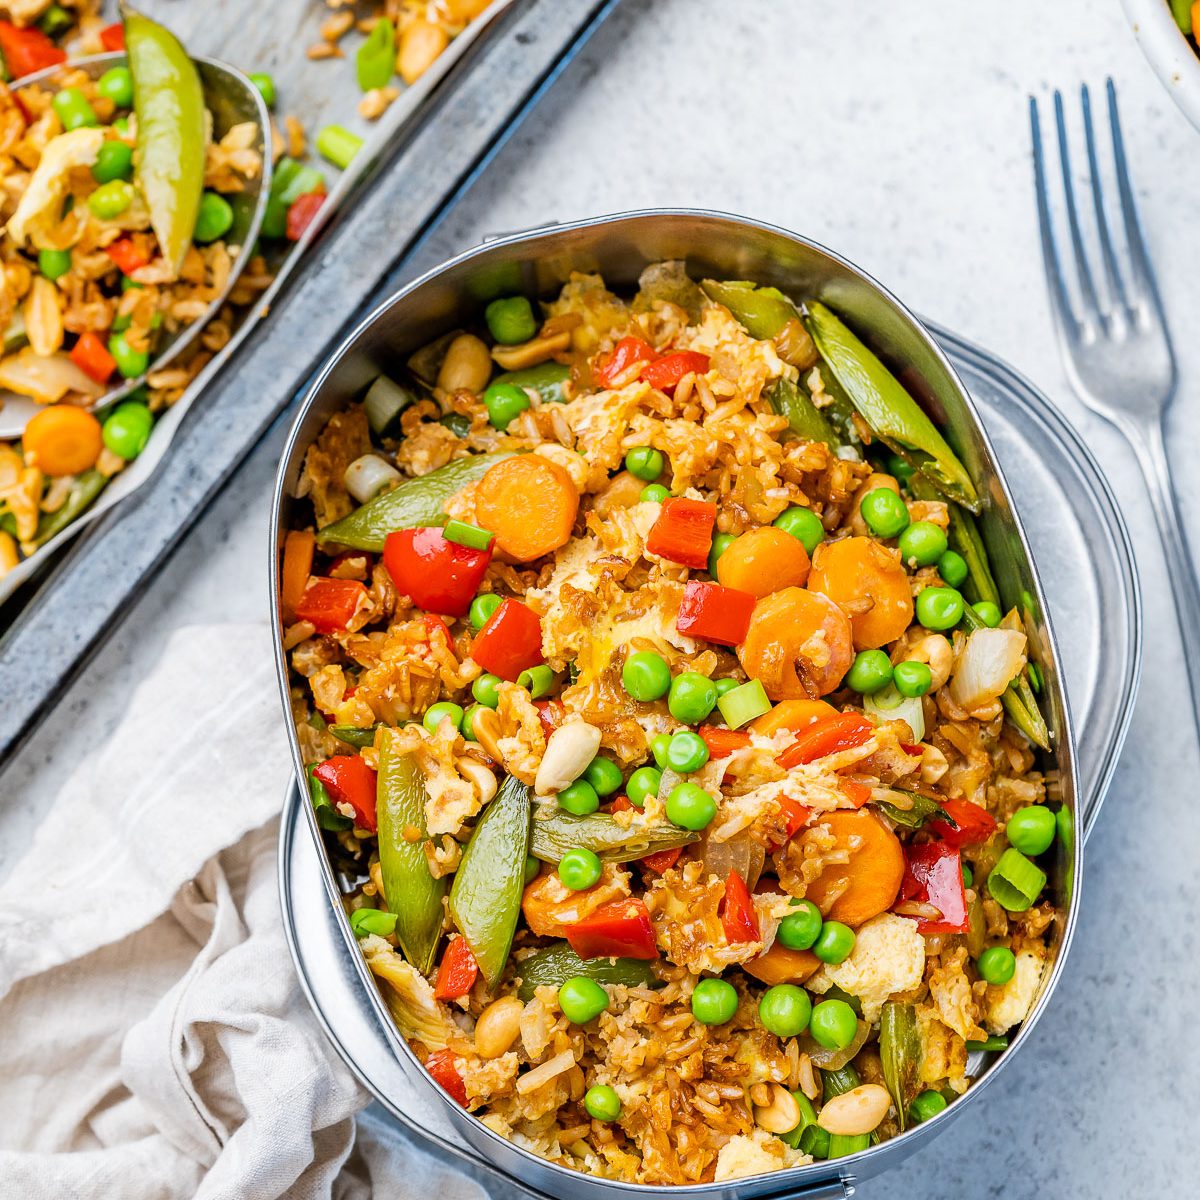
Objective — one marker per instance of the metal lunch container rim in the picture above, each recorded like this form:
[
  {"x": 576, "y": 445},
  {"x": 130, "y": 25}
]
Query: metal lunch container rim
[{"x": 507, "y": 1155}]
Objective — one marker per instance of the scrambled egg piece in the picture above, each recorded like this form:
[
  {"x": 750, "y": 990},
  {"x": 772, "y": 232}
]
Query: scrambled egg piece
[
  {"x": 943, "y": 1052},
  {"x": 888, "y": 957},
  {"x": 42, "y": 202},
  {"x": 755, "y": 1154},
  {"x": 1009, "y": 1004},
  {"x": 485, "y": 1078}
]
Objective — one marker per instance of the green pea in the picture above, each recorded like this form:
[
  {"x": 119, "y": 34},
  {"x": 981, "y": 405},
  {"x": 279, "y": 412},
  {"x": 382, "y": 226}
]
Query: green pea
[
  {"x": 871, "y": 672},
  {"x": 899, "y": 468},
  {"x": 214, "y": 220},
  {"x": 655, "y": 493},
  {"x": 658, "y": 748},
  {"x": 127, "y": 429},
  {"x": 834, "y": 943},
  {"x": 912, "y": 678},
  {"x": 510, "y": 320},
  {"x": 720, "y": 543},
  {"x": 693, "y": 696},
  {"x": 504, "y": 402},
  {"x": 602, "y": 1103},
  {"x": 54, "y": 263},
  {"x": 266, "y": 87},
  {"x": 645, "y": 462},
  {"x": 582, "y": 999},
  {"x": 533, "y": 868},
  {"x": 922, "y": 543},
  {"x": 481, "y": 610},
  {"x": 833, "y": 1024},
  {"x": 73, "y": 109},
  {"x": 117, "y": 85},
  {"x": 690, "y": 807},
  {"x": 130, "y": 362},
  {"x": 785, "y": 1010},
  {"x": 604, "y": 775},
  {"x": 988, "y": 613},
  {"x": 927, "y": 1104},
  {"x": 801, "y": 927},
  {"x": 939, "y": 608},
  {"x": 687, "y": 752},
  {"x": 111, "y": 199},
  {"x": 642, "y": 783},
  {"x": 968, "y": 876},
  {"x": 952, "y": 567},
  {"x": 579, "y": 869},
  {"x": 714, "y": 1001},
  {"x": 997, "y": 965},
  {"x": 646, "y": 675},
  {"x": 804, "y": 525},
  {"x": 1031, "y": 829},
  {"x": 468, "y": 722},
  {"x": 113, "y": 161},
  {"x": 725, "y": 685},
  {"x": 486, "y": 689},
  {"x": 885, "y": 513},
  {"x": 437, "y": 713},
  {"x": 579, "y": 798}
]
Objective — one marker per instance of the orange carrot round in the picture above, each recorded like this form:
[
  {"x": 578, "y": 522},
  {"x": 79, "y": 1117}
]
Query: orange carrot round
[
  {"x": 868, "y": 581},
  {"x": 763, "y": 561},
  {"x": 799, "y": 645},
  {"x": 793, "y": 715},
  {"x": 781, "y": 965},
  {"x": 855, "y": 891},
  {"x": 529, "y": 503},
  {"x": 63, "y": 440}
]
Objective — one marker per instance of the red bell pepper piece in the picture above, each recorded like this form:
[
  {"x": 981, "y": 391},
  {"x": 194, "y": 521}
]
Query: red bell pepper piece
[
  {"x": 91, "y": 356},
  {"x": 301, "y": 213},
  {"x": 349, "y": 780},
  {"x": 510, "y": 642},
  {"x": 439, "y": 575},
  {"x": 661, "y": 861},
  {"x": 683, "y": 532},
  {"x": 621, "y": 804},
  {"x": 457, "y": 971},
  {"x": 722, "y": 742},
  {"x": 550, "y": 716},
  {"x": 619, "y": 365},
  {"x": 442, "y": 1066},
  {"x": 715, "y": 613},
  {"x": 666, "y": 372},
  {"x": 857, "y": 793},
  {"x": 934, "y": 876},
  {"x": 839, "y": 731},
  {"x": 112, "y": 37},
  {"x": 795, "y": 816},
  {"x": 738, "y": 917},
  {"x": 126, "y": 254},
  {"x": 329, "y": 605},
  {"x": 27, "y": 50},
  {"x": 619, "y": 930},
  {"x": 975, "y": 824}
]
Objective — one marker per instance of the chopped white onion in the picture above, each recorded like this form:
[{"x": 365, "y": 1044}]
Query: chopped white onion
[
  {"x": 367, "y": 476},
  {"x": 889, "y": 705},
  {"x": 987, "y": 663}
]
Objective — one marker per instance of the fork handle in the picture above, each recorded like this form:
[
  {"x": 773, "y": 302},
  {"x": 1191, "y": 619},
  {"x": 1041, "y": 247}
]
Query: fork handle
[{"x": 1150, "y": 447}]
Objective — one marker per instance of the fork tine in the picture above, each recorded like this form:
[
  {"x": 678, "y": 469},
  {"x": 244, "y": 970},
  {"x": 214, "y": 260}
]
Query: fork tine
[
  {"x": 1087, "y": 287},
  {"x": 1116, "y": 286},
  {"x": 1060, "y": 300}
]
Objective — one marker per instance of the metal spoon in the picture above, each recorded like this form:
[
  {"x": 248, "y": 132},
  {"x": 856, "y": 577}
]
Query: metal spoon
[{"x": 232, "y": 99}]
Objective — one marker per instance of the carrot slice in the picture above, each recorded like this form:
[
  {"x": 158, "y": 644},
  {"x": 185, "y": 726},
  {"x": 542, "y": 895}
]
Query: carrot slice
[
  {"x": 62, "y": 440},
  {"x": 781, "y": 965},
  {"x": 869, "y": 583},
  {"x": 763, "y": 561},
  {"x": 855, "y": 891},
  {"x": 529, "y": 503},
  {"x": 799, "y": 645},
  {"x": 298, "y": 549},
  {"x": 792, "y": 715}
]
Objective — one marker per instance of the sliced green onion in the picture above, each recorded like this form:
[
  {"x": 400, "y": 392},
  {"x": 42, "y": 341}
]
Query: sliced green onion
[
  {"x": 815, "y": 1141},
  {"x": 889, "y": 705},
  {"x": 372, "y": 920},
  {"x": 808, "y": 1116},
  {"x": 467, "y": 535},
  {"x": 742, "y": 704},
  {"x": 992, "y": 1043},
  {"x": 539, "y": 681},
  {"x": 842, "y": 1144},
  {"x": 384, "y": 402},
  {"x": 1015, "y": 882},
  {"x": 338, "y": 145}
]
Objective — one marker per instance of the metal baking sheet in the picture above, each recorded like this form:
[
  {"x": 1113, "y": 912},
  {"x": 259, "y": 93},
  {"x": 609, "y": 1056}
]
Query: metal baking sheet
[
  {"x": 1086, "y": 562},
  {"x": 358, "y": 257}
]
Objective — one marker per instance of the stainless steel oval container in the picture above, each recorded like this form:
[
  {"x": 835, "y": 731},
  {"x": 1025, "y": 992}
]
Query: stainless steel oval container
[{"x": 717, "y": 245}]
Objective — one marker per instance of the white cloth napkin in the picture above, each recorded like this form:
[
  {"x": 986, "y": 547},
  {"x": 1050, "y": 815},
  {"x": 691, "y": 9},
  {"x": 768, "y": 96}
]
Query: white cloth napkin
[{"x": 155, "y": 1043}]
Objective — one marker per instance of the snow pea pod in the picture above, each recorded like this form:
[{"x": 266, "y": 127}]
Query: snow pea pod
[
  {"x": 805, "y": 419},
  {"x": 485, "y": 900},
  {"x": 352, "y": 735},
  {"x": 900, "y": 1053},
  {"x": 171, "y": 137},
  {"x": 913, "y": 811},
  {"x": 762, "y": 311},
  {"x": 417, "y": 502},
  {"x": 555, "y": 831},
  {"x": 556, "y": 964},
  {"x": 85, "y": 489},
  {"x": 411, "y": 892},
  {"x": 546, "y": 379},
  {"x": 894, "y": 416}
]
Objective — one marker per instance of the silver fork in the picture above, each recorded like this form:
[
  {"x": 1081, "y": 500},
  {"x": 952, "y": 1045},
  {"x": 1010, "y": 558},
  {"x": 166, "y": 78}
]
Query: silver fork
[{"x": 1116, "y": 344}]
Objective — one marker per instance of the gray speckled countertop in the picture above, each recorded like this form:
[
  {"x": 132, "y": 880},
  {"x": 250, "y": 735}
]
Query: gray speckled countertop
[{"x": 896, "y": 132}]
